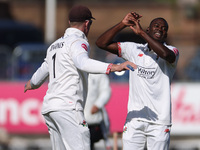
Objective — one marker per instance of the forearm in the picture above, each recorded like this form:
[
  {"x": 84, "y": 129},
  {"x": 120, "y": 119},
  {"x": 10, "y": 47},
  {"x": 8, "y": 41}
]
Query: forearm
[
  {"x": 83, "y": 62},
  {"x": 161, "y": 50},
  {"x": 36, "y": 83},
  {"x": 105, "y": 41},
  {"x": 39, "y": 76}
]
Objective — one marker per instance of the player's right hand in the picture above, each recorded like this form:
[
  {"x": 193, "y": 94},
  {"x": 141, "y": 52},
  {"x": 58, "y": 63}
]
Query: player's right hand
[
  {"x": 123, "y": 66},
  {"x": 27, "y": 86}
]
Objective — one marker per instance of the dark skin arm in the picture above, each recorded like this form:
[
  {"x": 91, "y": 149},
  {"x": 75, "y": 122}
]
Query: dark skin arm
[
  {"x": 159, "y": 48},
  {"x": 105, "y": 41}
]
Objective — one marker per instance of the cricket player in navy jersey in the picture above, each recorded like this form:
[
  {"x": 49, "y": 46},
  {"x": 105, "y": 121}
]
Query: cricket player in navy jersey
[
  {"x": 66, "y": 65},
  {"x": 148, "y": 119}
]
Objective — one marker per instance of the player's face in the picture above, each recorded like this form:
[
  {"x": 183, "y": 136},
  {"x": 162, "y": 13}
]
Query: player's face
[{"x": 158, "y": 30}]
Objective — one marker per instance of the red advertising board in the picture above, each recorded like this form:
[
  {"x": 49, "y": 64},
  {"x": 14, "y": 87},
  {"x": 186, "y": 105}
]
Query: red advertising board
[{"x": 20, "y": 112}]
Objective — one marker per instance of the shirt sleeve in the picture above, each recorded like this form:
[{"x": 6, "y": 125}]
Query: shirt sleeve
[
  {"x": 40, "y": 75},
  {"x": 127, "y": 50},
  {"x": 176, "y": 52},
  {"x": 79, "y": 53},
  {"x": 104, "y": 92}
]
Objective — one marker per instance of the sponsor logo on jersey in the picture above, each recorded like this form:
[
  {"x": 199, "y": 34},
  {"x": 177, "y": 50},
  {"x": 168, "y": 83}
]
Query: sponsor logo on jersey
[
  {"x": 147, "y": 73},
  {"x": 57, "y": 46},
  {"x": 140, "y": 55},
  {"x": 84, "y": 46}
]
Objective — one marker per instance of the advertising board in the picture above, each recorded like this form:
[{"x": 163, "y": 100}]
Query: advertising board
[{"x": 20, "y": 112}]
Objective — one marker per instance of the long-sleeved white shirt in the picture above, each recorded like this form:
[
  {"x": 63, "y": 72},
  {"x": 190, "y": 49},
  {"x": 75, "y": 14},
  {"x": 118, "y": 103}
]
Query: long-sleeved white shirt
[
  {"x": 99, "y": 93},
  {"x": 67, "y": 64}
]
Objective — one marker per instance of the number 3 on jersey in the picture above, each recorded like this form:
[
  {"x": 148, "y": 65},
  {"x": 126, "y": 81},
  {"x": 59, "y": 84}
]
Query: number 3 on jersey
[{"x": 54, "y": 60}]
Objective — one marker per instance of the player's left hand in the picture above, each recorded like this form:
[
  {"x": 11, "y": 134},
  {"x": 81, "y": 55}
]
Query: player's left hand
[{"x": 131, "y": 18}]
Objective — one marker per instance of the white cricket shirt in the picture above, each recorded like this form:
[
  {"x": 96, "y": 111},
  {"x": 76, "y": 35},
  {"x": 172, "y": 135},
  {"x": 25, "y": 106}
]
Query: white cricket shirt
[
  {"x": 99, "y": 93},
  {"x": 66, "y": 64},
  {"x": 149, "y": 85}
]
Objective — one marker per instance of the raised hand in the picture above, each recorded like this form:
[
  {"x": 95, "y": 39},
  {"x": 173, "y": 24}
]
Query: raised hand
[
  {"x": 136, "y": 27},
  {"x": 131, "y": 18}
]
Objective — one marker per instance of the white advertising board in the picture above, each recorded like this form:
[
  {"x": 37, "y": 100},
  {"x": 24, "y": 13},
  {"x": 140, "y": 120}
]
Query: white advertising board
[{"x": 185, "y": 109}]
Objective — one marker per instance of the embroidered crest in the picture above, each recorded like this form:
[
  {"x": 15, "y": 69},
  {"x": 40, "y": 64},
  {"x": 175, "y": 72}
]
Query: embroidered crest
[
  {"x": 84, "y": 123},
  {"x": 125, "y": 129}
]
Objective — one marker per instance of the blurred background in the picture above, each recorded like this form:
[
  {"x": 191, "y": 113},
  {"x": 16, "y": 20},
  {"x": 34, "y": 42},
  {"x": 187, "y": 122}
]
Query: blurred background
[{"x": 27, "y": 28}]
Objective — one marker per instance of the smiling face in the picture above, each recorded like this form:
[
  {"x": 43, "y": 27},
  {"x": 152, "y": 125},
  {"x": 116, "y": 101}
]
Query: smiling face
[{"x": 158, "y": 29}]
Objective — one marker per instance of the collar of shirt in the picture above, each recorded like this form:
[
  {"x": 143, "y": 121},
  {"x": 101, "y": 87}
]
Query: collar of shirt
[
  {"x": 146, "y": 48},
  {"x": 79, "y": 33}
]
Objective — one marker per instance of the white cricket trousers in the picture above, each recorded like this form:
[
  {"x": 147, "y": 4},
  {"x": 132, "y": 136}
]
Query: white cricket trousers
[
  {"x": 138, "y": 133},
  {"x": 68, "y": 130}
]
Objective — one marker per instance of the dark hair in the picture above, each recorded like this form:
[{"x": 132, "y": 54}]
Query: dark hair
[{"x": 160, "y": 18}]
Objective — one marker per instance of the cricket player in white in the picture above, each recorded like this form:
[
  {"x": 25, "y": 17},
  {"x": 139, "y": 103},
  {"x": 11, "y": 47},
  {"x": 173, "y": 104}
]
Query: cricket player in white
[
  {"x": 66, "y": 64},
  {"x": 149, "y": 105},
  {"x": 99, "y": 93}
]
